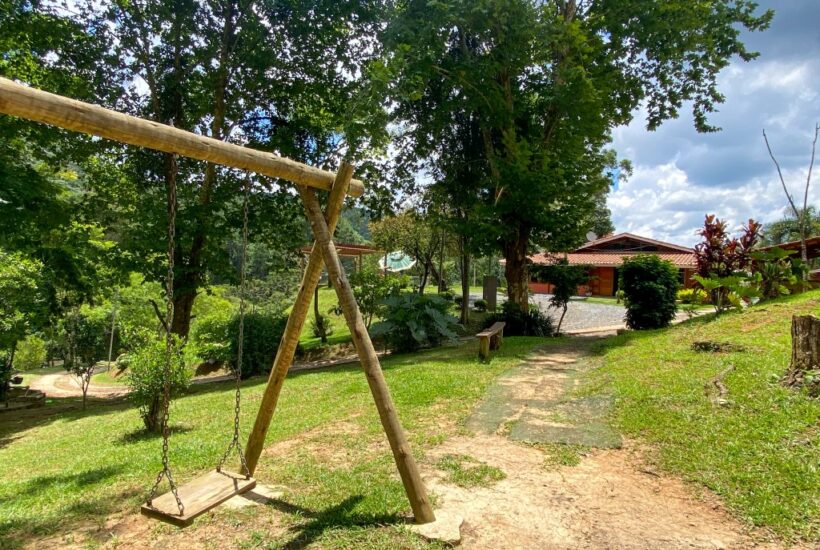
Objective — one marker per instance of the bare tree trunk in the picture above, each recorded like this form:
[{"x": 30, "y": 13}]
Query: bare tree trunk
[
  {"x": 515, "y": 270},
  {"x": 465, "y": 281},
  {"x": 805, "y": 354}
]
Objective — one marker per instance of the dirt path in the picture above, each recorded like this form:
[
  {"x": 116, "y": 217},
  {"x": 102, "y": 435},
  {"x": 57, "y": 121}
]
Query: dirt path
[
  {"x": 610, "y": 499},
  {"x": 64, "y": 385}
]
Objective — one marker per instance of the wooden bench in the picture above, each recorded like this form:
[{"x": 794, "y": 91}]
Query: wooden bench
[{"x": 490, "y": 339}]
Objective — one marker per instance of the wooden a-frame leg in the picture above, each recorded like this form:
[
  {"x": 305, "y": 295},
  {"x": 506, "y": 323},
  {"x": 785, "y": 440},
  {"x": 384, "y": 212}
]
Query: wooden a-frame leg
[
  {"x": 413, "y": 485},
  {"x": 296, "y": 320}
]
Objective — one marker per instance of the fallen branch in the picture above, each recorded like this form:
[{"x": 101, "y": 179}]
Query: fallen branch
[{"x": 717, "y": 383}]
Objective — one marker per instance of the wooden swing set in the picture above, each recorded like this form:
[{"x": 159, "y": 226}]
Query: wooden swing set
[{"x": 180, "y": 505}]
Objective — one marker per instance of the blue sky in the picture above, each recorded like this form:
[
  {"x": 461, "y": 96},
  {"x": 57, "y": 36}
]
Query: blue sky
[{"x": 681, "y": 175}]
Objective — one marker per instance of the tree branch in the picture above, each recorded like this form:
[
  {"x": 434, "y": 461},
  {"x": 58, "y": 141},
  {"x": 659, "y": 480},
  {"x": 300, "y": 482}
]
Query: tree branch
[
  {"x": 780, "y": 174},
  {"x": 159, "y": 314}
]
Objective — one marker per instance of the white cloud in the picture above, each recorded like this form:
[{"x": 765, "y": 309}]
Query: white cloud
[{"x": 681, "y": 175}]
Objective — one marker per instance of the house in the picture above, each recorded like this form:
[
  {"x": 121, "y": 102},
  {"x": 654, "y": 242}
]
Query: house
[
  {"x": 605, "y": 257},
  {"x": 812, "y": 253}
]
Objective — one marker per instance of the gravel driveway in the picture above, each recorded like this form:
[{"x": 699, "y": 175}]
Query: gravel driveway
[{"x": 580, "y": 313}]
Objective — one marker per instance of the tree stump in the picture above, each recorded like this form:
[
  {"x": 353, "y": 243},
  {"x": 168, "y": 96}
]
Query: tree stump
[{"x": 805, "y": 366}]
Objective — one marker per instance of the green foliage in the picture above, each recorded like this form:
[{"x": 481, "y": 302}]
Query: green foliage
[
  {"x": 211, "y": 336},
  {"x": 263, "y": 333},
  {"x": 788, "y": 229},
  {"x": 22, "y": 298},
  {"x": 320, "y": 326},
  {"x": 694, "y": 296},
  {"x": 30, "y": 354},
  {"x": 146, "y": 379},
  {"x": 565, "y": 280},
  {"x": 84, "y": 339},
  {"x": 412, "y": 320},
  {"x": 371, "y": 287},
  {"x": 216, "y": 338},
  {"x": 480, "y": 305},
  {"x": 412, "y": 234},
  {"x": 485, "y": 94},
  {"x": 731, "y": 292},
  {"x": 532, "y": 322},
  {"x": 650, "y": 288},
  {"x": 776, "y": 271}
]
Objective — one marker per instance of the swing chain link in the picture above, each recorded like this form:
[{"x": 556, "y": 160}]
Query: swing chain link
[
  {"x": 241, "y": 341},
  {"x": 169, "y": 342}
]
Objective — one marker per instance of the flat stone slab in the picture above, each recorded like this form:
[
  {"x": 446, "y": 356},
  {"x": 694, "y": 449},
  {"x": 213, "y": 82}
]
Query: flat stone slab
[
  {"x": 259, "y": 495},
  {"x": 446, "y": 528}
]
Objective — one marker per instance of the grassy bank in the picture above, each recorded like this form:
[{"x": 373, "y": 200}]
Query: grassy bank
[
  {"x": 65, "y": 471},
  {"x": 761, "y": 451}
]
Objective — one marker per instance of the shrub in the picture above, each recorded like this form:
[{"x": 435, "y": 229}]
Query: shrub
[
  {"x": 262, "y": 335},
  {"x": 371, "y": 287},
  {"x": 30, "y": 354},
  {"x": 480, "y": 305},
  {"x": 565, "y": 280},
  {"x": 146, "y": 380},
  {"x": 650, "y": 287},
  {"x": 215, "y": 338},
  {"x": 448, "y": 295},
  {"x": 412, "y": 320},
  {"x": 694, "y": 296},
  {"x": 211, "y": 336},
  {"x": 532, "y": 322},
  {"x": 321, "y": 326},
  {"x": 458, "y": 299}
]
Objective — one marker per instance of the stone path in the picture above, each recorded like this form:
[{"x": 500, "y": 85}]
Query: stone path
[{"x": 610, "y": 499}]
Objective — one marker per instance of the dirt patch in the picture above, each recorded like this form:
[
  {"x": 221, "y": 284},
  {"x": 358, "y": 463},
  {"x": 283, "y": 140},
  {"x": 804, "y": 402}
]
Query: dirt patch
[{"x": 607, "y": 501}]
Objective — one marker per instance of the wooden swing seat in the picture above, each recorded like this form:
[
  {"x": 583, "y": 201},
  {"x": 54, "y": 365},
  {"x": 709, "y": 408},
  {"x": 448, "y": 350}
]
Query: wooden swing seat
[{"x": 198, "y": 495}]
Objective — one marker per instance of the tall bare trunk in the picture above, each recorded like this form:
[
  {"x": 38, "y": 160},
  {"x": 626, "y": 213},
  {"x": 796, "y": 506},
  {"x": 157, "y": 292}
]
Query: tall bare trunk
[
  {"x": 465, "y": 281},
  {"x": 516, "y": 271}
]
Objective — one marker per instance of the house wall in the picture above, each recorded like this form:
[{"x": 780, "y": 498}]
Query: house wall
[{"x": 602, "y": 282}]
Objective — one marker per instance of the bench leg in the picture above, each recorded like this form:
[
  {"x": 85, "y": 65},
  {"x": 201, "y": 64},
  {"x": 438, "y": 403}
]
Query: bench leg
[{"x": 484, "y": 347}]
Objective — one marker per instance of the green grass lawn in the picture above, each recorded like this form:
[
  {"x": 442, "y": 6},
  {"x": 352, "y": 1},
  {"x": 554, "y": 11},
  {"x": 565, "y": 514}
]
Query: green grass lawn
[
  {"x": 762, "y": 451},
  {"x": 66, "y": 470}
]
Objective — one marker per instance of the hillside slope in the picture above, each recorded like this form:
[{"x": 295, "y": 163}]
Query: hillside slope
[{"x": 760, "y": 450}]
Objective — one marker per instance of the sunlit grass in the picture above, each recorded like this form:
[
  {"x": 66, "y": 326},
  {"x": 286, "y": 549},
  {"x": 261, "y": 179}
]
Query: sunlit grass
[
  {"x": 761, "y": 452},
  {"x": 66, "y": 470}
]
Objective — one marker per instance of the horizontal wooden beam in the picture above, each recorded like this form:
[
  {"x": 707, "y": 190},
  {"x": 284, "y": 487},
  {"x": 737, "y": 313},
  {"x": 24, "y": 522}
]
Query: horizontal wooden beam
[{"x": 70, "y": 114}]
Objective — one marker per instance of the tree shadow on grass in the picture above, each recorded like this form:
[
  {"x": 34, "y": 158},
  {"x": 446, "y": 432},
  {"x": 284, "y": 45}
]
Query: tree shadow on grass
[
  {"x": 332, "y": 517},
  {"x": 141, "y": 434},
  {"x": 37, "y": 485}
]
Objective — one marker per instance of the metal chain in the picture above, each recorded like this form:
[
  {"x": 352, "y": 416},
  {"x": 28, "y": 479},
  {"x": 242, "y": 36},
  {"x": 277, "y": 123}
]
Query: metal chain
[
  {"x": 169, "y": 341},
  {"x": 235, "y": 444}
]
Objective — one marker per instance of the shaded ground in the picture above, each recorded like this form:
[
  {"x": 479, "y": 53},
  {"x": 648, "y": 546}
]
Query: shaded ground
[{"x": 531, "y": 427}]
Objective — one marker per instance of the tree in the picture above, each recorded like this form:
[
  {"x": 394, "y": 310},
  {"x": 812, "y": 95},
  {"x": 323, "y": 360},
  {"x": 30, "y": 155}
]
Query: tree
[
  {"x": 85, "y": 342},
  {"x": 788, "y": 229},
  {"x": 722, "y": 259},
  {"x": 22, "y": 305},
  {"x": 413, "y": 235},
  {"x": 802, "y": 215},
  {"x": 276, "y": 76},
  {"x": 565, "y": 280},
  {"x": 650, "y": 288},
  {"x": 546, "y": 82}
]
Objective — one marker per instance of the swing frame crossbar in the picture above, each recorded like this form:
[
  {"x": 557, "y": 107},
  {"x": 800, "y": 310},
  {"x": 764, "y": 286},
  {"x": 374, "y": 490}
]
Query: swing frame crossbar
[{"x": 215, "y": 487}]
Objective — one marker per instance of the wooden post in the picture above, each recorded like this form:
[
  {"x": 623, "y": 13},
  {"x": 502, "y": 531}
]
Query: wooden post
[
  {"x": 296, "y": 320},
  {"x": 413, "y": 485},
  {"x": 70, "y": 114},
  {"x": 805, "y": 353}
]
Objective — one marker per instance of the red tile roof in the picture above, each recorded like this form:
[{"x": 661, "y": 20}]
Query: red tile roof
[
  {"x": 620, "y": 236},
  {"x": 613, "y": 259}
]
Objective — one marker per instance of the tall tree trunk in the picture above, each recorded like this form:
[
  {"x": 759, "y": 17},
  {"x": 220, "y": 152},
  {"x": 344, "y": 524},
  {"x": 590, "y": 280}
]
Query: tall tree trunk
[
  {"x": 184, "y": 298},
  {"x": 516, "y": 271},
  {"x": 465, "y": 281}
]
